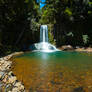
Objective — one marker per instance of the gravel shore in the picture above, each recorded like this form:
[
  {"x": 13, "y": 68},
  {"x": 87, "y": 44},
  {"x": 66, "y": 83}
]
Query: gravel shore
[{"x": 8, "y": 81}]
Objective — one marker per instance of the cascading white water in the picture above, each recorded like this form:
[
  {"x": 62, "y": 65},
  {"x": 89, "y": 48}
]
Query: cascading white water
[
  {"x": 44, "y": 45},
  {"x": 44, "y": 33}
]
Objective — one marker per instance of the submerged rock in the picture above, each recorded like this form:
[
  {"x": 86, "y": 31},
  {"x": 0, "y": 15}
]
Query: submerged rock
[{"x": 79, "y": 89}]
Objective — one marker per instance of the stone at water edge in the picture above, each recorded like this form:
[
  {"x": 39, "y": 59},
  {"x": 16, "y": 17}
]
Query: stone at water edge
[
  {"x": 15, "y": 90},
  {"x": 2, "y": 68},
  {"x": 12, "y": 79},
  {"x": 2, "y": 74},
  {"x": 10, "y": 73},
  {"x": 7, "y": 63},
  {"x": 5, "y": 66},
  {"x": 2, "y": 61},
  {"x": 66, "y": 47},
  {"x": 5, "y": 79},
  {"x": 19, "y": 86}
]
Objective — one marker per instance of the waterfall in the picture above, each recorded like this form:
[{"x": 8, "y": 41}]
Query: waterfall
[
  {"x": 43, "y": 33},
  {"x": 43, "y": 45}
]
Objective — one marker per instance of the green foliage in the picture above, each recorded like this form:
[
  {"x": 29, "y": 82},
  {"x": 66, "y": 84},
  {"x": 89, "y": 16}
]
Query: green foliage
[
  {"x": 68, "y": 11},
  {"x": 90, "y": 3},
  {"x": 18, "y": 18},
  {"x": 69, "y": 16},
  {"x": 85, "y": 39},
  {"x": 68, "y": 21},
  {"x": 50, "y": 34}
]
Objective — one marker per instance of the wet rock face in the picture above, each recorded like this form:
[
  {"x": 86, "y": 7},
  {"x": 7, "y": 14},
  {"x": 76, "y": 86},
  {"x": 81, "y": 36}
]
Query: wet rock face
[{"x": 8, "y": 82}]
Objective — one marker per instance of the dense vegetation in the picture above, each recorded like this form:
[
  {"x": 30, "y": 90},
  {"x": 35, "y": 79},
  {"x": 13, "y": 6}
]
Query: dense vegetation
[
  {"x": 69, "y": 22},
  {"x": 71, "y": 19},
  {"x": 18, "y": 24}
]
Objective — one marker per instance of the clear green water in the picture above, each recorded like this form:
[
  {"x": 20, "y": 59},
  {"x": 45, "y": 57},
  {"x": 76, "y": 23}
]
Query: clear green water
[
  {"x": 55, "y": 71},
  {"x": 74, "y": 60}
]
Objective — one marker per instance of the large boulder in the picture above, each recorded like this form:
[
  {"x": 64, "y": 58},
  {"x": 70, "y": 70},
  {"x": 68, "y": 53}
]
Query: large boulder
[{"x": 66, "y": 48}]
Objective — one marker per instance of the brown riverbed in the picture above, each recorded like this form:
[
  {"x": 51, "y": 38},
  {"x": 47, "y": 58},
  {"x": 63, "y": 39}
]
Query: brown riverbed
[{"x": 43, "y": 76}]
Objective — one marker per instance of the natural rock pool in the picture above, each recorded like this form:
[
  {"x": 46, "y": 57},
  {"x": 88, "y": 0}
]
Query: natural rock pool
[{"x": 54, "y": 72}]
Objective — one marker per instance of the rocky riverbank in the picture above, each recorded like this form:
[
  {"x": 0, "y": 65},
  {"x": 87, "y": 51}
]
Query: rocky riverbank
[
  {"x": 77, "y": 48},
  {"x": 8, "y": 81}
]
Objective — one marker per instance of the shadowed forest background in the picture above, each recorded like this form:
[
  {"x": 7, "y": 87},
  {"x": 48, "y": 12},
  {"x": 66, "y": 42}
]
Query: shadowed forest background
[{"x": 69, "y": 23}]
